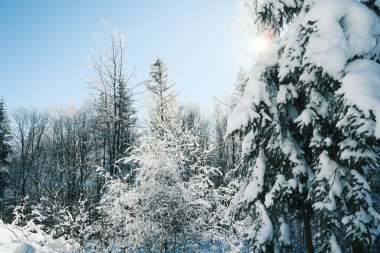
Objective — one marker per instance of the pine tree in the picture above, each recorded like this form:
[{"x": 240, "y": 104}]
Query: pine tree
[
  {"x": 164, "y": 203},
  {"x": 163, "y": 106},
  {"x": 5, "y": 148},
  {"x": 5, "y": 136},
  {"x": 309, "y": 124},
  {"x": 239, "y": 86},
  {"x": 113, "y": 111}
]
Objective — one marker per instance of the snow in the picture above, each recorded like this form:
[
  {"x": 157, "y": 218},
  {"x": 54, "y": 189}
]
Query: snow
[
  {"x": 306, "y": 118},
  {"x": 348, "y": 143},
  {"x": 316, "y": 140},
  {"x": 319, "y": 52},
  {"x": 361, "y": 86},
  {"x": 286, "y": 93},
  {"x": 350, "y": 152},
  {"x": 334, "y": 245},
  {"x": 291, "y": 149},
  {"x": 327, "y": 48},
  {"x": 255, "y": 91},
  {"x": 277, "y": 7},
  {"x": 255, "y": 187},
  {"x": 265, "y": 232},
  {"x": 8, "y": 239},
  {"x": 358, "y": 155},
  {"x": 361, "y": 26},
  {"x": 375, "y": 231},
  {"x": 247, "y": 143},
  {"x": 360, "y": 223},
  {"x": 299, "y": 170},
  {"x": 26, "y": 247},
  {"x": 284, "y": 232},
  {"x": 367, "y": 126},
  {"x": 362, "y": 182},
  {"x": 16, "y": 240},
  {"x": 201, "y": 203},
  {"x": 292, "y": 183},
  {"x": 346, "y": 28},
  {"x": 317, "y": 107},
  {"x": 328, "y": 167},
  {"x": 329, "y": 170},
  {"x": 319, "y": 103},
  {"x": 280, "y": 181}
]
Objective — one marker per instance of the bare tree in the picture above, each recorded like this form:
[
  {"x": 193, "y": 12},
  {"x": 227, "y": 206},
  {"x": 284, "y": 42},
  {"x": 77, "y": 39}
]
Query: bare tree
[{"x": 29, "y": 126}]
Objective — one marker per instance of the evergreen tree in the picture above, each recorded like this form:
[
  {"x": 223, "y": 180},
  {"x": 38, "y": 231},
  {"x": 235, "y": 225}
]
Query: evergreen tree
[
  {"x": 309, "y": 125},
  {"x": 162, "y": 100},
  {"x": 166, "y": 203},
  {"x": 113, "y": 112},
  {"x": 5, "y": 136},
  {"x": 239, "y": 86},
  {"x": 5, "y": 149}
]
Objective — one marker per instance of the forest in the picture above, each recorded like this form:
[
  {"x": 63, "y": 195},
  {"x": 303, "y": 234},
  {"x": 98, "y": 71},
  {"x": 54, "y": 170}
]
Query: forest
[{"x": 288, "y": 162}]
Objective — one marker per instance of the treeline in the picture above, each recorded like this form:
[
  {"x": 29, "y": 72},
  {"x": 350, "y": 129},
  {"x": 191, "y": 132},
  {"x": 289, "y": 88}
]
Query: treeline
[
  {"x": 55, "y": 153},
  {"x": 59, "y": 164},
  {"x": 287, "y": 163}
]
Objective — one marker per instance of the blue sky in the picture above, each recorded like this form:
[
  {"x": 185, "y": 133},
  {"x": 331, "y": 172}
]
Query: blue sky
[{"x": 45, "y": 46}]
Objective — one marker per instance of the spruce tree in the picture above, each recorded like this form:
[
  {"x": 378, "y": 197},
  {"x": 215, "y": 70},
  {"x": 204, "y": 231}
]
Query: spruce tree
[
  {"x": 310, "y": 125},
  {"x": 113, "y": 109},
  {"x": 5, "y": 148},
  {"x": 166, "y": 202},
  {"x": 162, "y": 100},
  {"x": 5, "y": 136}
]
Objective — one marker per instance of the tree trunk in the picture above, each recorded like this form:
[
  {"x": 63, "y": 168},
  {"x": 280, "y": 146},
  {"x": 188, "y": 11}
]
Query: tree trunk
[
  {"x": 357, "y": 247},
  {"x": 233, "y": 152},
  {"x": 2, "y": 203},
  {"x": 307, "y": 230}
]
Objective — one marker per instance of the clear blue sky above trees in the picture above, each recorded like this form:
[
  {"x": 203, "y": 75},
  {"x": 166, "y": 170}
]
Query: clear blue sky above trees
[{"x": 45, "y": 46}]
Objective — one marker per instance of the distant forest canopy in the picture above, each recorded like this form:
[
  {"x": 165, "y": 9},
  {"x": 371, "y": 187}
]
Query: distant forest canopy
[{"x": 289, "y": 162}]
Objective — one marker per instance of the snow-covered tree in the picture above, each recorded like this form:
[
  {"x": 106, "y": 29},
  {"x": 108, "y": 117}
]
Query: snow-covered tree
[
  {"x": 242, "y": 78},
  {"x": 162, "y": 100},
  {"x": 309, "y": 121},
  {"x": 193, "y": 118},
  {"x": 164, "y": 203},
  {"x": 5, "y": 136},
  {"x": 29, "y": 129},
  {"x": 5, "y": 150},
  {"x": 112, "y": 107},
  {"x": 227, "y": 148}
]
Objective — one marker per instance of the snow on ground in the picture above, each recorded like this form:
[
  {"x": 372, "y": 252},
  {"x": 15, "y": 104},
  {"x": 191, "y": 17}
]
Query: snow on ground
[{"x": 14, "y": 240}]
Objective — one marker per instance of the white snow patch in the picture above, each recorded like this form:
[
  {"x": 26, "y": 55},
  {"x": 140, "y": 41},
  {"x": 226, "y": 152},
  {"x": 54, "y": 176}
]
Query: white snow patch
[
  {"x": 291, "y": 149},
  {"x": 14, "y": 239},
  {"x": 286, "y": 93},
  {"x": 255, "y": 187},
  {"x": 299, "y": 170},
  {"x": 334, "y": 244},
  {"x": 346, "y": 28},
  {"x": 247, "y": 143},
  {"x": 361, "y": 87},
  {"x": 284, "y": 232},
  {"x": 329, "y": 170},
  {"x": 280, "y": 181},
  {"x": 306, "y": 118},
  {"x": 255, "y": 91},
  {"x": 265, "y": 232}
]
